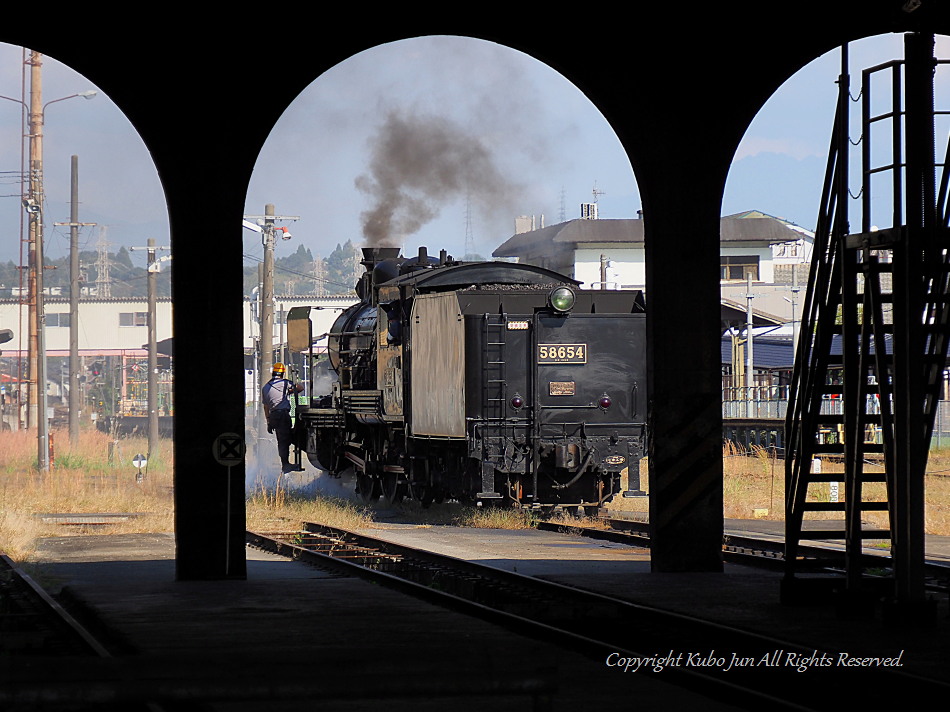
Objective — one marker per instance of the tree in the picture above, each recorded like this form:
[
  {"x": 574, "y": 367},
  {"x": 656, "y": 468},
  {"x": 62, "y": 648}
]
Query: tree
[
  {"x": 122, "y": 258},
  {"x": 343, "y": 269}
]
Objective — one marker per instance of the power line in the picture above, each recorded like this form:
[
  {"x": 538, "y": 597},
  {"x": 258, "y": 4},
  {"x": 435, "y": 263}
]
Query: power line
[{"x": 297, "y": 274}]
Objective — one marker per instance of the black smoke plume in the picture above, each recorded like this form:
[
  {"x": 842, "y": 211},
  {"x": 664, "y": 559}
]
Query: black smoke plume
[{"x": 419, "y": 163}]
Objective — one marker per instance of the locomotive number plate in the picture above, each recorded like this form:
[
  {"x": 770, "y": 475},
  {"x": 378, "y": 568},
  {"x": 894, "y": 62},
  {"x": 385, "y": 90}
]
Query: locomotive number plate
[
  {"x": 562, "y": 353},
  {"x": 561, "y": 388}
]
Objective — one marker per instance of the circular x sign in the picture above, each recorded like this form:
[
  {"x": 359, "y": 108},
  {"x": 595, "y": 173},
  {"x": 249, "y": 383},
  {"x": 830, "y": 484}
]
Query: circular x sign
[{"x": 229, "y": 449}]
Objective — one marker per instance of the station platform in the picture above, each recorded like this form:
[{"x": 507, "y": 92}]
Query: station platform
[{"x": 293, "y": 637}]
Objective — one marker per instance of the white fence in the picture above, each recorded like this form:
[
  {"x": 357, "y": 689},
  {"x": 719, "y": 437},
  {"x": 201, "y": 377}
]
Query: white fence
[
  {"x": 755, "y": 402},
  {"x": 771, "y": 403}
]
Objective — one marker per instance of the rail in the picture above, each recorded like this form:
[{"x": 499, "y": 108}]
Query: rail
[{"x": 605, "y": 628}]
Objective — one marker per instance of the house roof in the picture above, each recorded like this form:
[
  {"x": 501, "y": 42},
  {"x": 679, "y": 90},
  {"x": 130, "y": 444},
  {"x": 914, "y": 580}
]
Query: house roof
[
  {"x": 734, "y": 315},
  {"x": 749, "y": 228},
  {"x": 767, "y": 354},
  {"x": 778, "y": 353}
]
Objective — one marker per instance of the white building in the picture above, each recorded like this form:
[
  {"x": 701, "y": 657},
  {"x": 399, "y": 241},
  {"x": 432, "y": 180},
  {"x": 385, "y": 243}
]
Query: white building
[
  {"x": 610, "y": 253},
  {"x": 106, "y": 326},
  {"x": 118, "y": 328},
  {"x": 111, "y": 326}
]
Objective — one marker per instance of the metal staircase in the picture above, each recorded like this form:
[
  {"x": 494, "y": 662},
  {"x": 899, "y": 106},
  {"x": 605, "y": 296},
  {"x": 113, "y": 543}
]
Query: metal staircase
[{"x": 873, "y": 345}]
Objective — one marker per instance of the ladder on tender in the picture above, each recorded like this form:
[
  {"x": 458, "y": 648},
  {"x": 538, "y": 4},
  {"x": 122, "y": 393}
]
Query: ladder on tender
[
  {"x": 873, "y": 343},
  {"x": 494, "y": 393},
  {"x": 494, "y": 398}
]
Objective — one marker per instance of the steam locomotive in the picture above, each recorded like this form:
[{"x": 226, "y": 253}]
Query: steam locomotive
[{"x": 493, "y": 382}]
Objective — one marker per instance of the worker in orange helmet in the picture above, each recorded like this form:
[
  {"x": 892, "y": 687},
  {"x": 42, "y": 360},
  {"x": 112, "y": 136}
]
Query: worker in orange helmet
[{"x": 275, "y": 397}]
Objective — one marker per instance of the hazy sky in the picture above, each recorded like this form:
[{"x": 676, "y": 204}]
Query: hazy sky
[
  {"x": 119, "y": 188},
  {"x": 503, "y": 135},
  {"x": 779, "y": 167}
]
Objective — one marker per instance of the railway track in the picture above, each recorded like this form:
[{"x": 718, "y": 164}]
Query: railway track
[
  {"x": 760, "y": 551},
  {"x": 745, "y": 669},
  {"x": 32, "y": 623}
]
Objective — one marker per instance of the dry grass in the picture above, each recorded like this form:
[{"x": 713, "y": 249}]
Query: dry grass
[
  {"x": 754, "y": 485},
  {"x": 496, "y": 518},
  {"x": 81, "y": 480},
  {"x": 86, "y": 480},
  {"x": 278, "y": 508}
]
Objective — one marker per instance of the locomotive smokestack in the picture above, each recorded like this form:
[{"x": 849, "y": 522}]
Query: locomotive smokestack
[{"x": 373, "y": 255}]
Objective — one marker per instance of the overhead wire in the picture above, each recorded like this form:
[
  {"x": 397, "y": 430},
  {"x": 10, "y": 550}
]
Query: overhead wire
[{"x": 287, "y": 270}]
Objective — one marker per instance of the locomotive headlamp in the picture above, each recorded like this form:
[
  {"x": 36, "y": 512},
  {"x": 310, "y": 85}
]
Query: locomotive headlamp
[{"x": 561, "y": 299}]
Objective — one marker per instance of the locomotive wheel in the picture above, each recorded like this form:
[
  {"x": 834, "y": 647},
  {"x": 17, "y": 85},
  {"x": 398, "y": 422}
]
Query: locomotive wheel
[
  {"x": 422, "y": 492},
  {"x": 393, "y": 489},
  {"x": 426, "y": 493},
  {"x": 430, "y": 490},
  {"x": 323, "y": 460},
  {"x": 392, "y": 477},
  {"x": 326, "y": 456},
  {"x": 368, "y": 487}
]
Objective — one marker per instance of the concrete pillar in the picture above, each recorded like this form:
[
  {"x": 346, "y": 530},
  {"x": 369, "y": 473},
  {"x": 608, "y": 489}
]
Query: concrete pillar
[
  {"x": 209, "y": 382},
  {"x": 685, "y": 384}
]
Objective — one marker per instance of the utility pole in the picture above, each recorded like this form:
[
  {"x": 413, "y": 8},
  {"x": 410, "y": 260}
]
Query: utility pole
[
  {"x": 794, "y": 302},
  {"x": 152, "y": 354},
  {"x": 265, "y": 225},
  {"x": 33, "y": 202},
  {"x": 749, "y": 359},
  {"x": 283, "y": 333},
  {"x": 152, "y": 383},
  {"x": 36, "y": 411},
  {"x": 74, "y": 404},
  {"x": 75, "y": 278},
  {"x": 267, "y": 295},
  {"x": 259, "y": 352}
]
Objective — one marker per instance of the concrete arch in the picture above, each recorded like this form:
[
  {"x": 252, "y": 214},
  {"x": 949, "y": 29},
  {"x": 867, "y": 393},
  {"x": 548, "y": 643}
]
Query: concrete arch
[{"x": 204, "y": 138}]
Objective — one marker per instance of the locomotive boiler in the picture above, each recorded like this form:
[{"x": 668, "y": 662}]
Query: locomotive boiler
[{"x": 479, "y": 381}]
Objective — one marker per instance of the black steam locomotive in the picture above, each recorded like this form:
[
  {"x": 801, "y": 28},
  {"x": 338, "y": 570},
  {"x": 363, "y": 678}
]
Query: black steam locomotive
[{"x": 486, "y": 381}]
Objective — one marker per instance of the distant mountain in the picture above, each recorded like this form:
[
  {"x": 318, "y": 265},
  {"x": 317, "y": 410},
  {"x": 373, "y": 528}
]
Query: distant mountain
[
  {"x": 125, "y": 279},
  {"x": 301, "y": 273}
]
